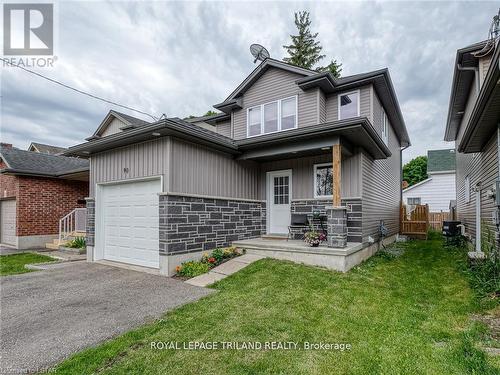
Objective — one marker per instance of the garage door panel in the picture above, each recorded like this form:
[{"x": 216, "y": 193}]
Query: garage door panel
[
  {"x": 130, "y": 222},
  {"x": 8, "y": 222}
]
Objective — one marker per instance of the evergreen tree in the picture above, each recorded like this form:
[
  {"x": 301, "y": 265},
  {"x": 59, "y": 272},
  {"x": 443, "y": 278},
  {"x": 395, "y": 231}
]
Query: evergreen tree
[
  {"x": 305, "y": 50},
  {"x": 334, "y": 68}
]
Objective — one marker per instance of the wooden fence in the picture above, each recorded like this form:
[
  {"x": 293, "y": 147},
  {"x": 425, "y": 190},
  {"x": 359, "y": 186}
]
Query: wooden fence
[
  {"x": 414, "y": 222},
  {"x": 436, "y": 219},
  {"x": 417, "y": 220}
]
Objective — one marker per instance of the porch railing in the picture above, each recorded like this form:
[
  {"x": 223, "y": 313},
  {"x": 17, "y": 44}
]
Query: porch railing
[{"x": 75, "y": 221}]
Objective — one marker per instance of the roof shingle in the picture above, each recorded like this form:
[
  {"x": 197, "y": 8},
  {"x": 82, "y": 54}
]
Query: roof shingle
[
  {"x": 29, "y": 162},
  {"x": 441, "y": 160}
]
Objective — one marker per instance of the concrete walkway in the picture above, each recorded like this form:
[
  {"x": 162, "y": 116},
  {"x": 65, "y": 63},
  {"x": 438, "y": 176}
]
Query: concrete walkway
[
  {"x": 63, "y": 256},
  {"x": 224, "y": 270}
]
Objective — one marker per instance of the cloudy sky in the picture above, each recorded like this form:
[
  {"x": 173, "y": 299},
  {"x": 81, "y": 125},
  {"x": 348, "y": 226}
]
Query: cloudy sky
[{"x": 180, "y": 58}]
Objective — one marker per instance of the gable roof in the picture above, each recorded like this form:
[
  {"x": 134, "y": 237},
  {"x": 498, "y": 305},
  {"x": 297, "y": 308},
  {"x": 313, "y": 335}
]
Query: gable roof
[
  {"x": 463, "y": 78},
  {"x": 380, "y": 79},
  {"x": 382, "y": 83},
  {"x": 46, "y": 149},
  {"x": 167, "y": 126},
  {"x": 255, "y": 75},
  {"x": 129, "y": 121},
  {"x": 441, "y": 160},
  {"x": 38, "y": 164},
  {"x": 209, "y": 119},
  {"x": 357, "y": 130},
  {"x": 417, "y": 184}
]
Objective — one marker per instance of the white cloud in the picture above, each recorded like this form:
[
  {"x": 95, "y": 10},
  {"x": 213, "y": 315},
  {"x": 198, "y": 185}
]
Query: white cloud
[{"x": 180, "y": 58}]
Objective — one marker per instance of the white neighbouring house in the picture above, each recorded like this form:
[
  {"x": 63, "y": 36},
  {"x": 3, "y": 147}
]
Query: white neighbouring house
[{"x": 439, "y": 188}]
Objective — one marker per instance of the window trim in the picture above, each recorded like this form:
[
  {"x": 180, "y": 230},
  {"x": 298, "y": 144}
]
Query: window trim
[
  {"x": 315, "y": 168},
  {"x": 261, "y": 106},
  {"x": 358, "y": 91},
  {"x": 261, "y": 119}
]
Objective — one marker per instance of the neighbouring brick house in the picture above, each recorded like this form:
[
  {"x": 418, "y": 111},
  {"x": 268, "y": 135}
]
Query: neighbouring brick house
[
  {"x": 36, "y": 190},
  {"x": 288, "y": 142}
]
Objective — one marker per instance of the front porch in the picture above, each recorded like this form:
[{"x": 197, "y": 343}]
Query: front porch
[{"x": 335, "y": 258}]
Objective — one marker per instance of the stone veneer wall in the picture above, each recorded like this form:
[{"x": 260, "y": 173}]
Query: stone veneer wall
[
  {"x": 191, "y": 224},
  {"x": 90, "y": 222},
  {"x": 354, "y": 216}
]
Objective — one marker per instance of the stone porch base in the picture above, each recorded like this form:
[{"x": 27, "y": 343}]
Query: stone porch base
[{"x": 338, "y": 259}]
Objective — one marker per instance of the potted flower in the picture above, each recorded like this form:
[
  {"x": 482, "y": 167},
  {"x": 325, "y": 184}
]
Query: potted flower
[{"x": 314, "y": 238}]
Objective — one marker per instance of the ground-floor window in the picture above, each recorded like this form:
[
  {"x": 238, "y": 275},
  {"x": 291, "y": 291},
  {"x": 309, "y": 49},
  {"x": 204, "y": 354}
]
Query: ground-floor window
[
  {"x": 323, "y": 180},
  {"x": 414, "y": 201}
]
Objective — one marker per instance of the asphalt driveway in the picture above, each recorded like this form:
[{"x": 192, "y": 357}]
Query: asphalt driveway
[{"x": 48, "y": 315}]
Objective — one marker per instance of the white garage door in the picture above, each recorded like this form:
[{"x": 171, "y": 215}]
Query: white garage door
[
  {"x": 130, "y": 222},
  {"x": 8, "y": 222}
]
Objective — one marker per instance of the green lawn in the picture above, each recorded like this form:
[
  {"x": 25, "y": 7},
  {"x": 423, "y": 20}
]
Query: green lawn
[
  {"x": 402, "y": 315},
  {"x": 12, "y": 264}
]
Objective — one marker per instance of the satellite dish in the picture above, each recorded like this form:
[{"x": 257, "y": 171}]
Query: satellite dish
[{"x": 259, "y": 52}]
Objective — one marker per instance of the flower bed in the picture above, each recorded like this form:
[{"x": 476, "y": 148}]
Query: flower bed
[{"x": 208, "y": 261}]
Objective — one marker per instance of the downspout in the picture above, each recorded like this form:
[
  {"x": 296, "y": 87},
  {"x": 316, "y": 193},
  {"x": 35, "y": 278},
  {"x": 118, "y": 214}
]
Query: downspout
[
  {"x": 401, "y": 182},
  {"x": 401, "y": 172},
  {"x": 478, "y": 185},
  {"x": 478, "y": 217}
]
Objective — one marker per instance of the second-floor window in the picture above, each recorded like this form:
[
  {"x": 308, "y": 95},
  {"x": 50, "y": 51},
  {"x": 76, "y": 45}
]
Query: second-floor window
[
  {"x": 385, "y": 128},
  {"x": 348, "y": 105},
  {"x": 272, "y": 117}
]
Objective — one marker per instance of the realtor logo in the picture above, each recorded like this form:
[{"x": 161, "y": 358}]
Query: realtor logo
[{"x": 28, "y": 29}]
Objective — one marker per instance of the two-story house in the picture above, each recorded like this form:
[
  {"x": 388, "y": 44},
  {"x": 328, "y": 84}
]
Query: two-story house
[
  {"x": 289, "y": 140},
  {"x": 473, "y": 123}
]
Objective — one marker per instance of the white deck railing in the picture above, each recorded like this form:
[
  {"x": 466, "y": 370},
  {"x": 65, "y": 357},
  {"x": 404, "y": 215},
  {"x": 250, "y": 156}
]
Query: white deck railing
[{"x": 75, "y": 221}]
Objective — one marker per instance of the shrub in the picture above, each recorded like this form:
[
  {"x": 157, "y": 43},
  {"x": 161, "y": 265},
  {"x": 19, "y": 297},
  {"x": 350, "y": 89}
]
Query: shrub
[
  {"x": 77, "y": 243},
  {"x": 483, "y": 274},
  {"x": 218, "y": 254},
  {"x": 208, "y": 261},
  {"x": 192, "y": 269},
  {"x": 230, "y": 252}
]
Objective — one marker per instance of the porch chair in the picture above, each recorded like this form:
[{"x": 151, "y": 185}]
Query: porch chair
[{"x": 298, "y": 225}]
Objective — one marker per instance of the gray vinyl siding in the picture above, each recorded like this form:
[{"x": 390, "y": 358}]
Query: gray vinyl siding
[
  {"x": 224, "y": 128},
  {"x": 198, "y": 170},
  {"x": 142, "y": 160},
  {"x": 484, "y": 65},
  {"x": 303, "y": 175},
  {"x": 276, "y": 84},
  {"x": 483, "y": 167},
  {"x": 378, "y": 111},
  {"x": 381, "y": 190},
  {"x": 468, "y": 111},
  {"x": 112, "y": 128},
  {"x": 332, "y": 102},
  {"x": 321, "y": 106}
]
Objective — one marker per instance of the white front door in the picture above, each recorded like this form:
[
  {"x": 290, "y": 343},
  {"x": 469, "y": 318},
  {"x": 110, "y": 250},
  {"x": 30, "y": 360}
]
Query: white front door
[
  {"x": 279, "y": 194},
  {"x": 129, "y": 230}
]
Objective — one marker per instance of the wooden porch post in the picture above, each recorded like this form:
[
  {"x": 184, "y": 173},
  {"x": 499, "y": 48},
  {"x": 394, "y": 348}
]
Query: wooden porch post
[{"x": 336, "y": 171}]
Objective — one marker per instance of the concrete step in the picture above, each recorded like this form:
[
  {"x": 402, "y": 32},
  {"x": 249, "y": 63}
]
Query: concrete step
[
  {"x": 283, "y": 237},
  {"x": 52, "y": 246}
]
